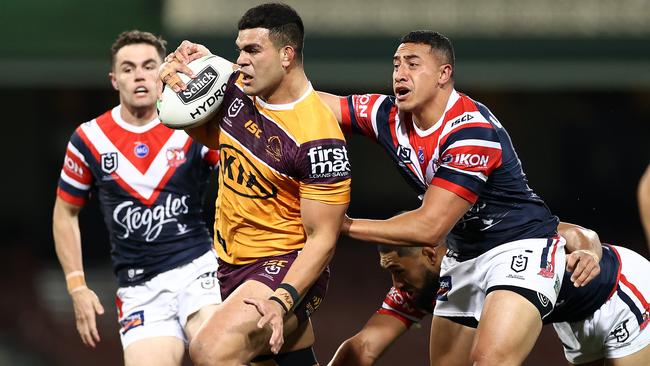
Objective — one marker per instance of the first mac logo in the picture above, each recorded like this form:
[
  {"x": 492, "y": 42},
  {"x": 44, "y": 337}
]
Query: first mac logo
[{"x": 199, "y": 86}]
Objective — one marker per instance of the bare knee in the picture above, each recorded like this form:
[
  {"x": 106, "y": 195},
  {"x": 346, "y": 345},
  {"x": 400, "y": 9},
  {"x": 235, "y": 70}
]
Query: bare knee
[
  {"x": 486, "y": 356},
  {"x": 205, "y": 353}
]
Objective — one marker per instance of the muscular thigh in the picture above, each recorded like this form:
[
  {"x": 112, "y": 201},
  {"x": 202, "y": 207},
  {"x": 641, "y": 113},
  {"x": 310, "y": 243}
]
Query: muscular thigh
[
  {"x": 450, "y": 343},
  {"x": 157, "y": 351},
  {"x": 509, "y": 327},
  {"x": 233, "y": 325},
  {"x": 640, "y": 358}
]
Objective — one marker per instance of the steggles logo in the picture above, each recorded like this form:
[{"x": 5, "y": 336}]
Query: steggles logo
[{"x": 150, "y": 220}]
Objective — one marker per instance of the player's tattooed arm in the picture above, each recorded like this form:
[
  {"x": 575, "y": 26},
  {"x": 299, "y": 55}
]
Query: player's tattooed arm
[{"x": 584, "y": 251}]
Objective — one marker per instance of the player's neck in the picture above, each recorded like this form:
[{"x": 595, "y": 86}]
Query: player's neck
[
  {"x": 293, "y": 86},
  {"x": 431, "y": 112},
  {"x": 138, "y": 116}
]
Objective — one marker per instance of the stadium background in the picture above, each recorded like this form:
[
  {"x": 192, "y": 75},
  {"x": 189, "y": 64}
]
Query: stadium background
[{"x": 569, "y": 80}]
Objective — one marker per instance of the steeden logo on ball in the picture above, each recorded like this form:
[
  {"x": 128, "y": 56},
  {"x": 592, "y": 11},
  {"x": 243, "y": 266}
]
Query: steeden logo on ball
[{"x": 199, "y": 86}]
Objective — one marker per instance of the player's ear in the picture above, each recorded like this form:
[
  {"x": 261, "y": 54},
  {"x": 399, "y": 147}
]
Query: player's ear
[
  {"x": 111, "y": 76},
  {"x": 445, "y": 74},
  {"x": 430, "y": 254},
  {"x": 287, "y": 55}
]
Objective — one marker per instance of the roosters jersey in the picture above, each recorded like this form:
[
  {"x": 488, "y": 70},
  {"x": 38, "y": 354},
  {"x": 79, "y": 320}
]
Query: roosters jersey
[
  {"x": 399, "y": 304},
  {"x": 150, "y": 181},
  {"x": 467, "y": 152},
  {"x": 271, "y": 157}
]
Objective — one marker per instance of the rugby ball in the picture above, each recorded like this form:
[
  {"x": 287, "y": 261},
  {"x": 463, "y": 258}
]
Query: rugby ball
[{"x": 201, "y": 100}]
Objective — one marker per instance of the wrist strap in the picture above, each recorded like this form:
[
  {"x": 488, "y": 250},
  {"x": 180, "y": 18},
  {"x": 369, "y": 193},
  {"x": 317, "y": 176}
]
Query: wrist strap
[
  {"x": 75, "y": 281},
  {"x": 277, "y": 299},
  {"x": 295, "y": 296}
]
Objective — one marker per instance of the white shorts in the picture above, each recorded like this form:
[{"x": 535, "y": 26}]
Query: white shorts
[
  {"x": 160, "y": 307},
  {"x": 534, "y": 264},
  {"x": 621, "y": 326}
]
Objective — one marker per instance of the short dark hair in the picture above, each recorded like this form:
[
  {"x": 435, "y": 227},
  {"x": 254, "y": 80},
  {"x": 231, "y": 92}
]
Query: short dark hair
[
  {"x": 400, "y": 251},
  {"x": 283, "y": 22},
  {"x": 438, "y": 42},
  {"x": 138, "y": 37}
]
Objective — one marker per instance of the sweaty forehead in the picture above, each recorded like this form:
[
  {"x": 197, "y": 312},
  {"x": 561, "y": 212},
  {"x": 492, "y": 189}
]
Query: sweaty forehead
[
  {"x": 247, "y": 37},
  {"x": 408, "y": 50}
]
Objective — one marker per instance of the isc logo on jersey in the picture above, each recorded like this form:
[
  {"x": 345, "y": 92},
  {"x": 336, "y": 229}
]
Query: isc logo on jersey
[{"x": 328, "y": 161}]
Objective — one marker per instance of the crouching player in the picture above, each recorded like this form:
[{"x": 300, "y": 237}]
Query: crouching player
[{"x": 601, "y": 313}]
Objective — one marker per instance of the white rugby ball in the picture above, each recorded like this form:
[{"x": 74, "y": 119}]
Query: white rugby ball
[{"x": 201, "y": 100}]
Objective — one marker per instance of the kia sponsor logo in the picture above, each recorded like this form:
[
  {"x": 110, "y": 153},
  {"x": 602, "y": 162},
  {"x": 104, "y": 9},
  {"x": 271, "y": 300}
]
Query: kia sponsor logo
[
  {"x": 328, "y": 161},
  {"x": 241, "y": 176},
  {"x": 199, "y": 86},
  {"x": 148, "y": 221}
]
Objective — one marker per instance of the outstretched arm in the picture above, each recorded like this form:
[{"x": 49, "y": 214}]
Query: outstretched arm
[
  {"x": 424, "y": 226},
  {"x": 334, "y": 103},
  {"x": 67, "y": 241},
  {"x": 643, "y": 193},
  {"x": 365, "y": 347},
  {"x": 584, "y": 252}
]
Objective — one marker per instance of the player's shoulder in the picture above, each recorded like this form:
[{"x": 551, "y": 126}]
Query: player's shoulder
[
  {"x": 312, "y": 120},
  {"x": 467, "y": 117}
]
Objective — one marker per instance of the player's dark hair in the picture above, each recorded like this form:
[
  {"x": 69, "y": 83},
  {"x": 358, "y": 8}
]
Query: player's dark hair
[
  {"x": 401, "y": 251},
  {"x": 138, "y": 37},
  {"x": 283, "y": 22},
  {"x": 438, "y": 42}
]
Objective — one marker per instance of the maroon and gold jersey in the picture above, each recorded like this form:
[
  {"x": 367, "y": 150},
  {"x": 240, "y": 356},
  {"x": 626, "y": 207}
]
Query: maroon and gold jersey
[{"x": 271, "y": 157}]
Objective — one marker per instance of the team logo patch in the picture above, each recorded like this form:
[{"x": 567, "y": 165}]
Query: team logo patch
[
  {"x": 328, "y": 161},
  {"x": 175, "y": 156},
  {"x": 141, "y": 149},
  {"x": 131, "y": 321},
  {"x": 208, "y": 280},
  {"x": 519, "y": 263},
  {"x": 620, "y": 332},
  {"x": 235, "y": 107},
  {"x": 421, "y": 154},
  {"x": 445, "y": 287},
  {"x": 109, "y": 162},
  {"x": 274, "y": 266},
  {"x": 548, "y": 271},
  {"x": 274, "y": 147}
]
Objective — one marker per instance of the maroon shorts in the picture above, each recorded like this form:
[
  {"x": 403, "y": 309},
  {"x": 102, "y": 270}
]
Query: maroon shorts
[{"x": 271, "y": 271}]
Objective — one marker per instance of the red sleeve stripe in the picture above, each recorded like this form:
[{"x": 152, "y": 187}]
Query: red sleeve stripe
[
  {"x": 77, "y": 201},
  {"x": 397, "y": 316},
  {"x": 461, "y": 191},
  {"x": 346, "y": 121},
  {"x": 74, "y": 182}
]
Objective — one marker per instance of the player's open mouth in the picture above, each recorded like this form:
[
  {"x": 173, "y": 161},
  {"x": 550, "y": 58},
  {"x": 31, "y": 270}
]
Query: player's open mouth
[
  {"x": 402, "y": 93},
  {"x": 141, "y": 90},
  {"x": 246, "y": 78}
]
